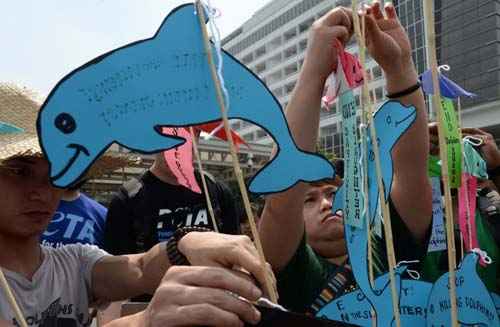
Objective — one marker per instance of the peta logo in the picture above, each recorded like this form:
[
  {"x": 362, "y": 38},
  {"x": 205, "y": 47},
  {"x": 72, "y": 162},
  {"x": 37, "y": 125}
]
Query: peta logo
[{"x": 72, "y": 227}]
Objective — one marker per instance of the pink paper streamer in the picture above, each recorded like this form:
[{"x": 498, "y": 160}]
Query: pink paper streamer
[
  {"x": 467, "y": 211},
  {"x": 352, "y": 70},
  {"x": 180, "y": 159}
]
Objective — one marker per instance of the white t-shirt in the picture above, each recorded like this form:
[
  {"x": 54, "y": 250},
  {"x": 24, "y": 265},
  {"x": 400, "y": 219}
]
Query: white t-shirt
[{"x": 59, "y": 293}]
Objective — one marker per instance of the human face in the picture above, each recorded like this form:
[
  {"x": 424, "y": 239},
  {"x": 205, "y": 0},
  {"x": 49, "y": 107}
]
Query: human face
[
  {"x": 324, "y": 229},
  {"x": 28, "y": 200}
]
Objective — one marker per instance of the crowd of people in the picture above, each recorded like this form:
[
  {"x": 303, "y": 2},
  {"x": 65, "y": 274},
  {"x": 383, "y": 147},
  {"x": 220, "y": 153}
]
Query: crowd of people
[{"x": 64, "y": 254}]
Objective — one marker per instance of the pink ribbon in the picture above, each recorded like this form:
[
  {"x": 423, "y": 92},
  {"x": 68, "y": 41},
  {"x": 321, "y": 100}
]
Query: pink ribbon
[
  {"x": 180, "y": 159},
  {"x": 467, "y": 211},
  {"x": 352, "y": 70}
]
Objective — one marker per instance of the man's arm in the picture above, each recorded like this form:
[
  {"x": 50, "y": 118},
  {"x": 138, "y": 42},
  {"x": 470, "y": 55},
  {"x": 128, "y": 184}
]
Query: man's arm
[
  {"x": 282, "y": 225},
  {"x": 411, "y": 192},
  {"x": 121, "y": 277}
]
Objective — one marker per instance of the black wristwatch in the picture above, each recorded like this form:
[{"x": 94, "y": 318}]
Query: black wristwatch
[{"x": 174, "y": 255}]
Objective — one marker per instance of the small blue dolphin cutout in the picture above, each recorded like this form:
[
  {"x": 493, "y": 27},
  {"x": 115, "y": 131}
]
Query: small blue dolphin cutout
[{"x": 126, "y": 95}]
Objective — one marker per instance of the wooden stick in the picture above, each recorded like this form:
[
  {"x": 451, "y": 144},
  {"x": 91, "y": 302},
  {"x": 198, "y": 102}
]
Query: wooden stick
[
  {"x": 366, "y": 101},
  {"x": 391, "y": 257},
  {"x": 436, "y": 101},
  {"x": 462, "y": 158},
  {"x": 12, "y": 300},
  {"x": 203, "y": 181},
  {"x": 239, "y": 175}
]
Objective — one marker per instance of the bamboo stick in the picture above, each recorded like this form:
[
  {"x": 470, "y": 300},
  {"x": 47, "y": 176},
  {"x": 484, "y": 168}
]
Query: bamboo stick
[
  {"x": 431, "y": 43},
  {"x": 239, "y": 175},
  {"x": 391, "y": 257},
  {"x": 203, "y": 180},
  {"x": 12, "y": 300}
]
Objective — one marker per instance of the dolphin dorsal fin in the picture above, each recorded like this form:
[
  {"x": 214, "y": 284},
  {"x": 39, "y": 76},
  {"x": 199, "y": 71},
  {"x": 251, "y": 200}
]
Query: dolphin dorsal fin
[{"x": 181, "y": 21}]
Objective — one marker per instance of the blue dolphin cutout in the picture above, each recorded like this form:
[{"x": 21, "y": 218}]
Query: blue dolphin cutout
[
  {"x": 124, "y": 96},
  {"x": 449, "y": 89},
  {"x": 474, "y": 303},
  {"x": 355, "y": 309},
  {"x": 496, "y": 299},
  {"x": 6, "y": 128},
  {"x": 391, "y": 122}
]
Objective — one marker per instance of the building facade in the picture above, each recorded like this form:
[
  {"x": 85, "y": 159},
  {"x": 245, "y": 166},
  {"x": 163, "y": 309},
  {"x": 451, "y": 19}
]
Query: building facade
[{"x": 273, "y": 41}]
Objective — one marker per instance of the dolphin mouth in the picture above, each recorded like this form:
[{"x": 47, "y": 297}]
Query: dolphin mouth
[
  {"x": 414, "y": 113},
  {"x": 78, "y": 149}
]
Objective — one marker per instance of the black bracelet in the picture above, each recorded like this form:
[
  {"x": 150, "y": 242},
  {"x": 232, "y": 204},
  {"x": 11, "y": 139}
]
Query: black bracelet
[
  {"x": 174, "y": 255},
  {"x": 495, "y": 172},
  {"x": 408, "y": 91}
]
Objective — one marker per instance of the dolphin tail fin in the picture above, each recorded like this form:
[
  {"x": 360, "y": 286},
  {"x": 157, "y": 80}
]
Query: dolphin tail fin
[{"x": 279, "y": 174}]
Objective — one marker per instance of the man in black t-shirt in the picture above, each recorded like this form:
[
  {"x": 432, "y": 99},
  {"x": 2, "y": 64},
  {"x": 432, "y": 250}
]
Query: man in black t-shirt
[{"x": 148, "y": 210}]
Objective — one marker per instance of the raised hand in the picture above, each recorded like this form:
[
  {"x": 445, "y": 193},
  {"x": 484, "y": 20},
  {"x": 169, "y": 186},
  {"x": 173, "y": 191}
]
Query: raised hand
[
  {"x": 388, "y": 44},
  {"x": 321, "y": 56}
]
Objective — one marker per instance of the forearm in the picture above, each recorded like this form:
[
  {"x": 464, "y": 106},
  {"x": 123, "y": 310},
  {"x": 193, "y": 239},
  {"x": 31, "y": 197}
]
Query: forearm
[
  {"x": 153, "y": 266},
  {"x": 282, "y": 214},
  {"x": 410, "y": 158},
  {"x": 121, "y": 277}
]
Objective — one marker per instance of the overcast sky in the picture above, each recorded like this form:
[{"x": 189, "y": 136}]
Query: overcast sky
[{"x": 42, "y": 40}]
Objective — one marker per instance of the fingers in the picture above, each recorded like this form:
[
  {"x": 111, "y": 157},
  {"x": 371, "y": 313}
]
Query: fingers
[
  {"x": 341, "y": 33},
  {"x": 219, "y": 298},
  {"x": 376, "y": 11},
  {"x": 390, "y": 11},
  {"x": 251, "y": 263},
  {"x": 339, "y": 16},
  {"x": 213, "y": 277}
]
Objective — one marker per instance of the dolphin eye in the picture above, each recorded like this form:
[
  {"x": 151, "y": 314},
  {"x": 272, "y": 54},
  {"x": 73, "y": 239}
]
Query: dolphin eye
[
  {"x": 388, "y": 120},
  {"x": 65, "y": 123}
]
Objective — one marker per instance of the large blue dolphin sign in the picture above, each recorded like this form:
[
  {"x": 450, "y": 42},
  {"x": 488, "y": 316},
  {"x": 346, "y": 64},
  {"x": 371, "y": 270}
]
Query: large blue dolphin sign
[{"x": 124, "y": 96}]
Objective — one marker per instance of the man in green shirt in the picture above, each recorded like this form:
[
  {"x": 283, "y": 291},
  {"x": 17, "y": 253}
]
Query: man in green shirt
[{"x": 303, "y": 273}]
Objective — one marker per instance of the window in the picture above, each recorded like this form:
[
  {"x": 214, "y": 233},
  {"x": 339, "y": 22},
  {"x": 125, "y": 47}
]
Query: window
[
  {"x": 379, "y": 94},
  {"x": 290, "y": 34},
  {"x": 278, "y": 92},
  {"x": 260, "y": 67},
  {"x": 236, "y": 125},
  {"x": 302, "y": 45},
  {"x": 247, "y": 59},
  {"x": 260, "y": 52},
  {"x": 289, "y": 87},
  {"x": 304, "y": 26},
  {"x": 249, "y": 137},
  {"x": 291, "y": 51},
  {"x": 261, "y": 134},
  {"x": 291, "y": 69}
]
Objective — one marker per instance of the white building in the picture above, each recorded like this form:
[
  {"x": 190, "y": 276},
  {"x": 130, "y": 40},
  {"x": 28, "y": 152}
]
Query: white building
[
  {"x": 273, "y": 41},
  {"x": 272, "y": 44}
]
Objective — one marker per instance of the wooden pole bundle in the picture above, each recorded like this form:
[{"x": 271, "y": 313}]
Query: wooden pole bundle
[
  {"x": 436, "y": 101},
  {"x": 391, "y": 257},
  {"x": 239, "y": 175}
]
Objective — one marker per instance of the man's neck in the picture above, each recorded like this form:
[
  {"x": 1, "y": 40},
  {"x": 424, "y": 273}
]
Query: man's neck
[
  {"x": 162, "y": 174},
  {"x": 23, "y": 256}
]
